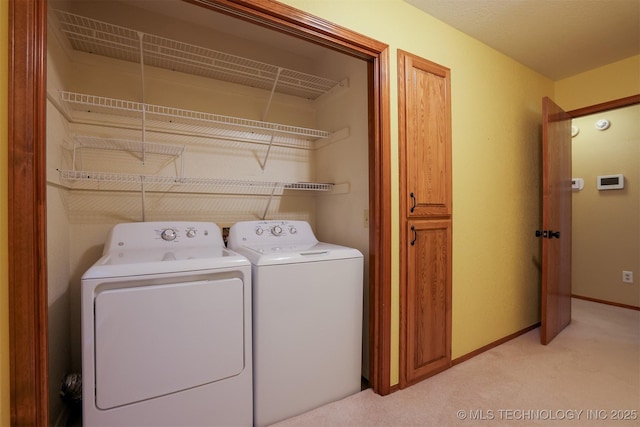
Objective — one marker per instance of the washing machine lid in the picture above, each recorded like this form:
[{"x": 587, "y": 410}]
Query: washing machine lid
[
  {"x": 163, "y": 261},
  {"x": 261, "y": 255}
]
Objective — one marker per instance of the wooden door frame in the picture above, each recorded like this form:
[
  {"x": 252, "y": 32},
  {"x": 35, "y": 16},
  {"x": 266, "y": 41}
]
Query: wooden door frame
[
  {"x": 605, "y": 106},
  {"x": 28, "y": 308}
]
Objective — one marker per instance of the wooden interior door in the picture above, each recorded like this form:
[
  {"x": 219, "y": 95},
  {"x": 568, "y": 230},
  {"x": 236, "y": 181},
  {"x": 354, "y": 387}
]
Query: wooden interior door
[{"x": 556, "y": 220}]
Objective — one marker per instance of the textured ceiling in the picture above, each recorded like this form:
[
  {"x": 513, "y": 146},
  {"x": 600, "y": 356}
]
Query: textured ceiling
[{"x": 557, "y": 38}]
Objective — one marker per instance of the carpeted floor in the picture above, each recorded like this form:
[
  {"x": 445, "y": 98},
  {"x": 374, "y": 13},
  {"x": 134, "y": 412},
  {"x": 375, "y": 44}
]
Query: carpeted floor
[{"x": 587, "y": 376}]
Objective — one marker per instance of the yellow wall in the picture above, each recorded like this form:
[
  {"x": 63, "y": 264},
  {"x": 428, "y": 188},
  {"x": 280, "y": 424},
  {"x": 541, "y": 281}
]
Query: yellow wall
[
  {"x": 613, "y": 81},
  {"x": 606, "y": 224},
  {"x": 4, "y": 279},
  {"x": 496, "y": 106}
]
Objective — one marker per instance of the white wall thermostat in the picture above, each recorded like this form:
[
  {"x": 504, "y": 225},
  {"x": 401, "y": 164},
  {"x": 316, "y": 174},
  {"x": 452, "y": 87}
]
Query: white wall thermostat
[
  {"x": 577, "y": 184},
  {"x": 611, "y": 182}
]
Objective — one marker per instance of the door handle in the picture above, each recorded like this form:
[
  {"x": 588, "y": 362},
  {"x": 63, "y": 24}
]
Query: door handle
[
  {"x": 548, "y": 234},
  {"x": 413, "y": 201},
  {"x": 415, "y": 234}
]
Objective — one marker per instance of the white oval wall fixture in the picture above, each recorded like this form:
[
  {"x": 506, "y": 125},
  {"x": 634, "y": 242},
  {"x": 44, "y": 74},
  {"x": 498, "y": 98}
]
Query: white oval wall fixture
[
  {"x": 575, "y": 130},
  {"x": 602, "y": 124}
]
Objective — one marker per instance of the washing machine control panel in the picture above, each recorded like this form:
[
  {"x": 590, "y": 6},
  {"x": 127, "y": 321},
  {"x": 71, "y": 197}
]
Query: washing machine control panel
[
  {"x": 248, "y": 233},
  {"x": 276, "y": 230}
]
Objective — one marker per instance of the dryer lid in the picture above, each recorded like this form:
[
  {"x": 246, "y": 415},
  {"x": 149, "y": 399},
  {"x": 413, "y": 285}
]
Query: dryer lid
[
  {"x": 144, "y": 248},
  {"x": 145, "y": 262}
]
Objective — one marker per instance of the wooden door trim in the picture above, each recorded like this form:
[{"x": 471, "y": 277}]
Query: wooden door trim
[
  {"x": 27, "y": 213},
  {"x": 27, "y": 188},
  {"x": 298, "y": 23},
  {"x": 402, "y": 165},
  {"x": 605, "y": 106}
]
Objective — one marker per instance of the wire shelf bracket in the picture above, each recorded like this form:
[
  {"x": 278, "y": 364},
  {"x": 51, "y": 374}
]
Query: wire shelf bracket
[{"x": 143, "y": 148}]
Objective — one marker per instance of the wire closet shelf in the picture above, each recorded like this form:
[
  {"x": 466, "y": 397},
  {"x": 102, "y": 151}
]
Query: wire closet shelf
[
  {"x": 85, "y": 108},
  {"x": 132, "y": 182},
  {"x": 93, "y": 36}
]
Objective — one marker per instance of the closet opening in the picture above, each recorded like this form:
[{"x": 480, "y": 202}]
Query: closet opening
[{"x": 36, "y": 324}]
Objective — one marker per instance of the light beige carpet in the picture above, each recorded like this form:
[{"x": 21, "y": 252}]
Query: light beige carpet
[{"x": 587, "y": 376}]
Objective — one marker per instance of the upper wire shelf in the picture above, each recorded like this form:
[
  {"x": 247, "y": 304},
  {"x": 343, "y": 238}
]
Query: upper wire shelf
[{"x": 89, "y": 35}]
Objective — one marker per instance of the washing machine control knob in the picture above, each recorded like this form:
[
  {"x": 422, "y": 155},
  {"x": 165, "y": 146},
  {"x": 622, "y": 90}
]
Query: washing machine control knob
[
  {"x": 191, "y": 232},
  {"x": 276, "y": 230},
  {"x": 259, "y": 231},
  {"x": 293, "y": 230},
  {"x": 168, "y": 234}
]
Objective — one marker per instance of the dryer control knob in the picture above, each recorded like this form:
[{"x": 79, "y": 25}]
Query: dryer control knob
[
  {"x": 191, "y": 232},
  {"x": 259, "y": 231},
  {"x": 293, "y": 230},
  {"x": 276, "y": 230},
  {"x": 168, "y": 234}
]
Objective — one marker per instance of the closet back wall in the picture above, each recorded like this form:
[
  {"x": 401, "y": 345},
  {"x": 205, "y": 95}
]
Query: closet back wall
[{"x": 343, "y": 218}]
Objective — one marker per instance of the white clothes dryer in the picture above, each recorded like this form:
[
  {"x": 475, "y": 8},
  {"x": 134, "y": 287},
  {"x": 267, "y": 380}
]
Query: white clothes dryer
[
  {"x": 307, "y": 317},
  {"x": 166, "y": 329}
]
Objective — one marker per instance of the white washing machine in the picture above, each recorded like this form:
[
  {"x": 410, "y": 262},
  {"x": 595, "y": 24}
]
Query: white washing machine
[
  {"x": 307, "y": 317},
  {"x": 166, "y": 329}
]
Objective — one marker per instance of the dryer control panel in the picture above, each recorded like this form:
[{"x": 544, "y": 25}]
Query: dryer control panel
[{"x": 151, "y": 235}]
